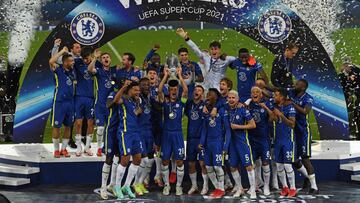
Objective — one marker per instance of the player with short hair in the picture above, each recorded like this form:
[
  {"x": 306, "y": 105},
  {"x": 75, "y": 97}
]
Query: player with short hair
[
  {"x": 215, "y": 142},
  {"x": 156, "y": 120},
  {"x": 111, "y": 146},
  {"x": 128, "y": 72},
  {"x": 75, "y": 51},
  {"x": 129, "y": 136},
  {"x": 215, "y": 63},
  {"x": 247, "y": 68},
  {"x": 104, "y": 78},
  {"x": 153, "y": 60},
  {"x": 194, "y": 110},
  {"x": 261, "y": 111},
  {"x": 84, "y": 100},
  {"x": 267, "y": 95},
  {"x": 284, "y": 145},
  {"x": 303, "y": 102},
  {"x": 281, "y": 72},
  {"x": 172, "y": 141},
  {"x": 146, "y": 136},
  {"x": 63, "y": 103},
  {"x": 225, "y": 86},
  {"x": 240, "y": 150},
  {"x": 191, "y": 70}
]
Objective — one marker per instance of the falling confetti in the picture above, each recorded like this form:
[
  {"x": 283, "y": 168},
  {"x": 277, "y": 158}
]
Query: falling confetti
[
  {"x": 323, "y": 21},
  {"x": 21, "y": 16}
]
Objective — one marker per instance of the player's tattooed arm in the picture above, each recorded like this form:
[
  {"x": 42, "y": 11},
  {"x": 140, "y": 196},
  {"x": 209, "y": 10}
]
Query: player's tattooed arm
[
  {"x": 53, "y": 59},
  {"x": 91, "y": 67},
  {"x": 161, "y": 97},
  {"x": 288, "y": 121},
  {"x": 183, "y": 83}
]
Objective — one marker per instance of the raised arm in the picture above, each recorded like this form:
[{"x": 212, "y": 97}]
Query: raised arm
[
  {"x": 161, "y": 97},
  {"x": 55, "y": 49},
  {"x": 91, "y": 67},
  {"x": 183, "y": 83},
  {"x": 264, "y": 77},
  {"x": 181, "y": 32},
  {"x": 118, "y": 97},
  {"x": 151, "y": 53},
  {"x": 198, "y": 73},
  {"x": 53, "y": 59}
]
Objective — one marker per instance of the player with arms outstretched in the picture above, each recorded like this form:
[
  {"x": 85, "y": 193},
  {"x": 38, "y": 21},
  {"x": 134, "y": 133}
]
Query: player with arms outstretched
[{"x": 215, "y": 63}]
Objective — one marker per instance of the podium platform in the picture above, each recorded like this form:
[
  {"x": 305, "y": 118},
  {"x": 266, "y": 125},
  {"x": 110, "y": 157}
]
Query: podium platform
[{"x": 24, "y": 164}]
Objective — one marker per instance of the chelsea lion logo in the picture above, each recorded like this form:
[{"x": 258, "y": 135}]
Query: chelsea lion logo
[
  {"x": 274, "y": 26},
  {"x": 87, "y": 28}
]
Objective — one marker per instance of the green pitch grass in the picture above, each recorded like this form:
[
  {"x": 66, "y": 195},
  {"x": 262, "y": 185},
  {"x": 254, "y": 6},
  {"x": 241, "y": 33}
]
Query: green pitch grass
[{"x": 140, "y": 42}]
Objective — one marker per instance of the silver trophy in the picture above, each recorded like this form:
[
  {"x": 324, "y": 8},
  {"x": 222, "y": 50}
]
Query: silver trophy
[{"x": 172, "y": 62}]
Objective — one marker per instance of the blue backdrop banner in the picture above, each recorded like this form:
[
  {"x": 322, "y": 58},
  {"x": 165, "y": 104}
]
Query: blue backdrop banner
[{"x": 270, "y": 23}]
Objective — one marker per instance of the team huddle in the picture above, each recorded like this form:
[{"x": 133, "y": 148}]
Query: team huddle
[{"x": 139, "y": 114}]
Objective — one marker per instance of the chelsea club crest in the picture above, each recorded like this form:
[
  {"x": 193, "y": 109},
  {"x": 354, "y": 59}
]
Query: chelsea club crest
[
  {"x": 274, "y": 26},
  {"x": 87, "y": 28}
]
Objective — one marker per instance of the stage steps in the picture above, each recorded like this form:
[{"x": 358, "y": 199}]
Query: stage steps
[
  {"x": 10, "y": 181},
  {"x": 16, "y": 175},
  {"x": 351, "y": 171}
]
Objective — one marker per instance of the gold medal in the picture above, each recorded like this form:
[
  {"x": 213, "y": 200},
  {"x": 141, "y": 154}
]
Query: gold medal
[
  {"x": 113, "y": 82},
  {"x": 171, "y": 115}
]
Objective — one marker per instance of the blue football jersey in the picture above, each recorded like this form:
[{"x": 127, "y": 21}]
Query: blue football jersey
[
  {"x": 85, "y": 82},
  {"x": 246, "y": 76},
  {"x": 194, "y": 112},
  {"x": 173, "y": 112},
  {"x": 283, "y": 131},
  {"x": 302, "y": 123},
  {"x": 104, "y": 82},
  {"x": 64, "y": 84},
  {"x": 240, "y": 116}
]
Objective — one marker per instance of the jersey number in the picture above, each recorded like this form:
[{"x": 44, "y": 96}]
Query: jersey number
[{"x": 181, "y": 151}]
